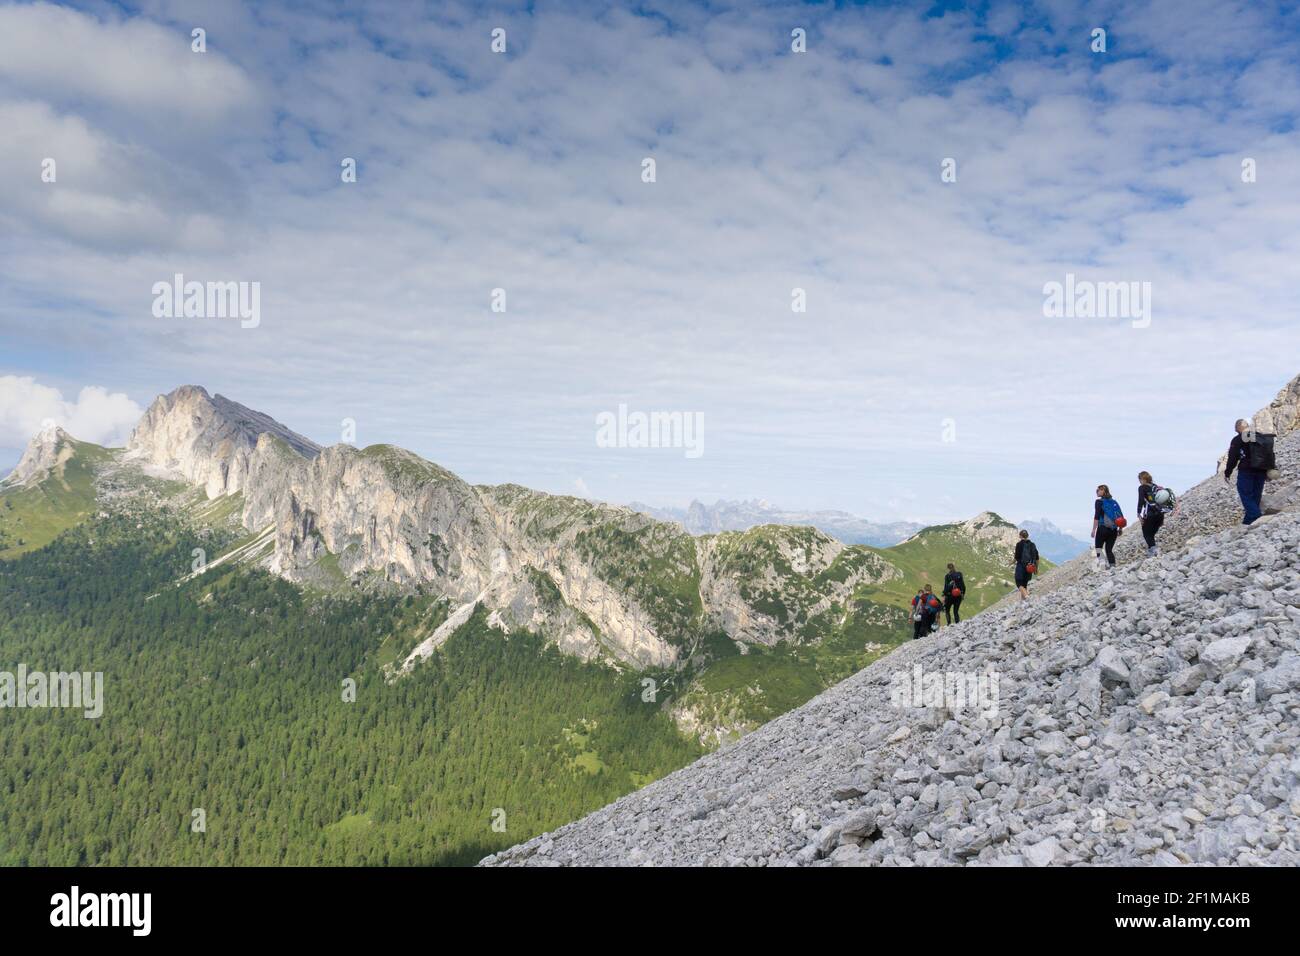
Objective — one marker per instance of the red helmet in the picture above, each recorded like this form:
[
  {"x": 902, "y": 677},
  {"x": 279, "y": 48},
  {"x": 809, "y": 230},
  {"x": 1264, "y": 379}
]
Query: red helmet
[
  {"x": 1121, "y": 521},
  {"x": 956, "y": 592}
]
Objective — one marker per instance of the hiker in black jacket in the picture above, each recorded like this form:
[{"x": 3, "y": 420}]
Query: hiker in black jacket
[
  {"x": 1026, "y": 557},
  {"x": 1150, "y": 511},
  {"x": 953, "y": 581},
  {"x": 1250, "y": 481}
]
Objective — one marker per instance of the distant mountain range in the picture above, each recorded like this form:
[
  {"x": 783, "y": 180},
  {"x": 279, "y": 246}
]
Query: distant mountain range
[
  {"x": 699, "y": 518},
  {"x": 1053, "y": 542}
]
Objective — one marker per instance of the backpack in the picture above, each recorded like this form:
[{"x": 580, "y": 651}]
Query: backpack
[
  {"x": 958, "y": 585},
  {"x": 1152, "y": 507},
  {"x": 1258, "y": 449},
  {"x": 1110, "y": 510},
  {"x": 1030, "y": 559}
]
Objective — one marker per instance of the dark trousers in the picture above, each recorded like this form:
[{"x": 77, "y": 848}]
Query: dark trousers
[
  {"x": 1106, "y": 538},
  {"x": 1150, "y": 525},
  {"x": 920, "y": 628},
  {"x": 1250, "y": 486},
  {"x": 951, "y": 608}
]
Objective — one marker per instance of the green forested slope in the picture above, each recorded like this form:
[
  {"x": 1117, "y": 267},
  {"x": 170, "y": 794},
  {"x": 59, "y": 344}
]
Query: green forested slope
[{"x": 226, "y": 694}]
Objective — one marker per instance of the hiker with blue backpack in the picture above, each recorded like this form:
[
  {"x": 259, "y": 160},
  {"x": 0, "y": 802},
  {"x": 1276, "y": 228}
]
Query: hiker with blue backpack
[
  {"x": 1108, "y": 522},
  {"x": 1154, "y": 503},
  {"x": 1251, "y": 454}
]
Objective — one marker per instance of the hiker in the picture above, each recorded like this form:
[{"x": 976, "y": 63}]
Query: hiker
[
  {"x": 1026, "y": 563},
  {"x": 918, "y": 605},
  {"x": 1251, "y": 453},
  {"x": 1154, "y": 502},
  {"x": 925, "y": 610},
  {"x": 954, "y": 588},
  {"x": 1107, "y": 523}
]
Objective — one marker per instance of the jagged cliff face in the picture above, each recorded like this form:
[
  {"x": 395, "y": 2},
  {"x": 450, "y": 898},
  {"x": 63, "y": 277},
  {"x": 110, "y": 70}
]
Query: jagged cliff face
[
  {"x": 385, "y": 510},
  {"x": 206, "y": 440},
  {"x": 630, "y": 576},
  {"x": 773, "y": 583}
]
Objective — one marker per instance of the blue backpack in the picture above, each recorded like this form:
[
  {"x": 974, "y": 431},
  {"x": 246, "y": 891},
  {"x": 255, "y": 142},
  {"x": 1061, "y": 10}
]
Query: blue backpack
[{"x": 1110, "y": 510}]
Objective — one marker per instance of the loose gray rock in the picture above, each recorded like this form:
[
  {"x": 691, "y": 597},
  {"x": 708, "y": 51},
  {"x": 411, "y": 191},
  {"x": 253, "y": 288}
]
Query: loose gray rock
[{"x": 1149, "y": 715}]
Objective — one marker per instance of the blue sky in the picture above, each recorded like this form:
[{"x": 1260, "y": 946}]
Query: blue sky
[{"x": 775, "y": 170}]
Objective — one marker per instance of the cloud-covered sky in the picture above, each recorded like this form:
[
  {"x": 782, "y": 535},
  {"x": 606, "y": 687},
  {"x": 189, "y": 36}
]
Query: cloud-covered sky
[{"x": 923, "y": 380}]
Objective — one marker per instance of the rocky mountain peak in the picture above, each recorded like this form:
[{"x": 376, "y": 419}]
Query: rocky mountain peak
[
  {"x": 984, "y": 521},
  {"x": 48, "y": 449},
  {"x": 1282, "y": 415},
  {"x": 207, "y": 440}
]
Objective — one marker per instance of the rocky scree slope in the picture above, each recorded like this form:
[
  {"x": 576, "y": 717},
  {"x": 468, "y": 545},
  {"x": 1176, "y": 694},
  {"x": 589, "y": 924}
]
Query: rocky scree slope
[
  {"x": 1210, "y": 506},
  {"x": 1148, "y": 715}
]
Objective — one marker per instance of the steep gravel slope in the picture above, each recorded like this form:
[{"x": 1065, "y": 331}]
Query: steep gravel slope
[
  {"x": 1145, "y": 715},
  {"x": 1210, "y": 506}
]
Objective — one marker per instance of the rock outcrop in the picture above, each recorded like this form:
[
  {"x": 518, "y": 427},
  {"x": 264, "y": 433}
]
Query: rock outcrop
[
  {"x": 206, "y": 440},
  {"x": 47, "y": 450}
]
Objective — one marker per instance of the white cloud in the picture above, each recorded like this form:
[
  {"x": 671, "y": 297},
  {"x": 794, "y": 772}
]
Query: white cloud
[
  {"x": 136, "y": 64},
  {"x": 96, "y": 416},
  {"x": 819, "y": 171},
  {"x": 141, "y": 130},
  {"x": 106, "y": 194}
]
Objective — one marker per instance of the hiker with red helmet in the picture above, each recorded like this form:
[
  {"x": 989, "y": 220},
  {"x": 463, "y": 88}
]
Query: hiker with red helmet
[
  {"x": 954, "y": 587},
  {"x": 1026, "y": 564},
  {"x": 925, "y": 612},
  {"x": 1107, "y": 524}
]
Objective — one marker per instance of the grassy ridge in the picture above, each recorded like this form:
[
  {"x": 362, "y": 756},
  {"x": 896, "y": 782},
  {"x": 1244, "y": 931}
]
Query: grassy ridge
[{"x": 33, "y": 516}]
